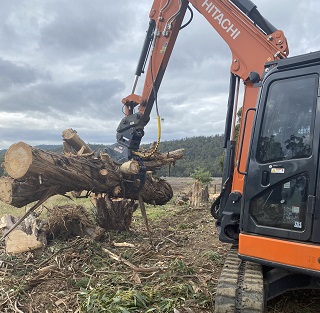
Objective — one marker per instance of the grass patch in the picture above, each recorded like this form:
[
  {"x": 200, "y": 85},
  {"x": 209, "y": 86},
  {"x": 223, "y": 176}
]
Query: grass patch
[
  {"x": 214, "y": 256},
  {"x": 156, "y": 213},
  {"x": 53, "y": 201}
]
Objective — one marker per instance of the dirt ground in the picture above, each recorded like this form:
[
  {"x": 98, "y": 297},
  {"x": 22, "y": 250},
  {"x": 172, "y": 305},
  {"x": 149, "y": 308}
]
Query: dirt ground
[{"x": 175, "y": 269}]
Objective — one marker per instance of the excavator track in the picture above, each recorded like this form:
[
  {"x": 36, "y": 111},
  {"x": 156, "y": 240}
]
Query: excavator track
[{"x": 240, "y": 286}]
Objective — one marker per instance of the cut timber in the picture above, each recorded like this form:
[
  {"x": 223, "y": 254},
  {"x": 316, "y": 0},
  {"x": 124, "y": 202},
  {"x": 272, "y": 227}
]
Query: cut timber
[
  {"x": 71, "y": 173},
  {"x": 19, "y": 193},
  {"x": 73, "y": 140},
  {"x": 130, "y": 167}
]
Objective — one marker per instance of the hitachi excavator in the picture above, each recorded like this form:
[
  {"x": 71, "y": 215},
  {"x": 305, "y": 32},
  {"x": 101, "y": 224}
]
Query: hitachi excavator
[{"x": 269, "y": 205}]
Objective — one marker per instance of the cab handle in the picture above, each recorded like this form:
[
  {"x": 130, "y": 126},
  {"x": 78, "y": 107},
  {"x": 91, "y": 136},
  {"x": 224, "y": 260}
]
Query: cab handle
[{"x": 242, "y": 140}]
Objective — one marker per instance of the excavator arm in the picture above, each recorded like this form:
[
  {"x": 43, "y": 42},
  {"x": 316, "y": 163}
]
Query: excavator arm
[{"x": 253, "y": 41}]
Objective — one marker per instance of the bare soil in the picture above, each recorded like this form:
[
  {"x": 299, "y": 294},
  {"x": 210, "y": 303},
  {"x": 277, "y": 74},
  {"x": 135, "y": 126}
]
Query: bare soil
[{"x": 174, "y": 270}]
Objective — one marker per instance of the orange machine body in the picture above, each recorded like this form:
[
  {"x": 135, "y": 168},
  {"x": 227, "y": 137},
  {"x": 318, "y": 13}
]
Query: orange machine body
[{"x": 291, "y": 254}]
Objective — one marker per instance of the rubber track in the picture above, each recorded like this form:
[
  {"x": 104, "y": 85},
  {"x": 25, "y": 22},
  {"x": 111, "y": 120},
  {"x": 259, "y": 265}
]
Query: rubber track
[{"x": 240, "y": 286}]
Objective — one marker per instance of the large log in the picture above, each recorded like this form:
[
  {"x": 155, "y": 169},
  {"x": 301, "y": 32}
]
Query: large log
[{"x": 33, "y": 171}]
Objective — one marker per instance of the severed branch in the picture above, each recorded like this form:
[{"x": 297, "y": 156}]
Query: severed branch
[{"x": 126, "y": 262}]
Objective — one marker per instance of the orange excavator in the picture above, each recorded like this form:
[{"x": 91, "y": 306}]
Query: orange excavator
[{"x": 269, "y": 205}]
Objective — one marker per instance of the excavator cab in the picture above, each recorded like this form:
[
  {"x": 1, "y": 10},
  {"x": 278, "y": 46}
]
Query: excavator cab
[
  {"x": 281, "y": 180},
  {"x": 279, "y": 216}
]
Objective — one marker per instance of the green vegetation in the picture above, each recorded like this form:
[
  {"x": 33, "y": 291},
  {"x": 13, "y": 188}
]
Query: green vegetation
[
  {"x": 203, "y": 176},
  {"x": 214, "y": 256},
  {"x": 200, "y": 152}
]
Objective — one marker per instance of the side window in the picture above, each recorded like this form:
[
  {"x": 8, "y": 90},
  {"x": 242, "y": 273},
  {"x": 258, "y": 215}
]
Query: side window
[
  {"x": 287, "y": 122},
  {"x": 283, "y": 205}
]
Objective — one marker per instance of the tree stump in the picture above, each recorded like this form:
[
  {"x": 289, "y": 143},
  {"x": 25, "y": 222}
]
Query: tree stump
[
  {"x": 114, "y": 214},
  {"x": 199, "y": 194}
]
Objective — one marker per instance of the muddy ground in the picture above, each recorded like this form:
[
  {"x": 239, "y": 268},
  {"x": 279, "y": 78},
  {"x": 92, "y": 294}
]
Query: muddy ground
[{"x": 174, "y": 270}]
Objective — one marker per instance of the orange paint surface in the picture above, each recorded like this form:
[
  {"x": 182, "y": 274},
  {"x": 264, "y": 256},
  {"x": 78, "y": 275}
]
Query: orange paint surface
[{"x": 302, "y": 255}]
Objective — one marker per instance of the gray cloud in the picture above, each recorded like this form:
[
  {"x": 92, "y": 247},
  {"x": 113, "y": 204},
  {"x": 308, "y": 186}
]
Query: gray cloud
[
  {"x": 16, "y": 74},
  {"x": 87, "y": 27},
  {"x": 69, "y": 63},
  {"x": 67, "y": 98}
]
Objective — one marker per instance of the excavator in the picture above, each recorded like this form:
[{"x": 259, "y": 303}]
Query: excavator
[{"x": 268, "y": 207}]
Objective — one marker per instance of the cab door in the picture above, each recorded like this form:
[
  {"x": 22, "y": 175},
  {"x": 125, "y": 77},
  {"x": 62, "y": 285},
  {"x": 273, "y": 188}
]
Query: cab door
[{"x": 279, "y": 195}]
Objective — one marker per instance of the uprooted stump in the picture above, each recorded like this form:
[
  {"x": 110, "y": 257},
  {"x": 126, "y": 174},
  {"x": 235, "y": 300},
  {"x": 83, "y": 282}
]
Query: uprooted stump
[{"x": 67, "y": 221}]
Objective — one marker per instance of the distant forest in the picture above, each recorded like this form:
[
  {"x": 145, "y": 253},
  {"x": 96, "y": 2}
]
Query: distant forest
[{"x": 200, "y": 153}]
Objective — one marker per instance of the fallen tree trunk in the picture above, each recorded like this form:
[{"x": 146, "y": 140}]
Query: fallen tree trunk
[{"x": 33, "y": 171}]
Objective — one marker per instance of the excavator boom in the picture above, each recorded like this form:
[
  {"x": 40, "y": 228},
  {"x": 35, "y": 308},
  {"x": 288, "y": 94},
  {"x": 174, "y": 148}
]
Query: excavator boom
[{"x": 253, "y": 41}]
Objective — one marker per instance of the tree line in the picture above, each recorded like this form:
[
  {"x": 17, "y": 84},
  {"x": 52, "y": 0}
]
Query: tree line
[{"x": 201, "y": 152}]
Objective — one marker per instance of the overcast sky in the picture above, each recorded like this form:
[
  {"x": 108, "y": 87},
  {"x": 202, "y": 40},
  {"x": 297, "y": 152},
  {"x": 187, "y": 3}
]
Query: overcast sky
[{"x": 68, "y": 63}]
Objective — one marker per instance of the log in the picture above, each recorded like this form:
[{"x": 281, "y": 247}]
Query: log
[
  {"x": 33, "y": 171},
  {"x": 23, "y": 161},
  {"x": 72, "y": 139},
  {"x": 19, "y": 193}
]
